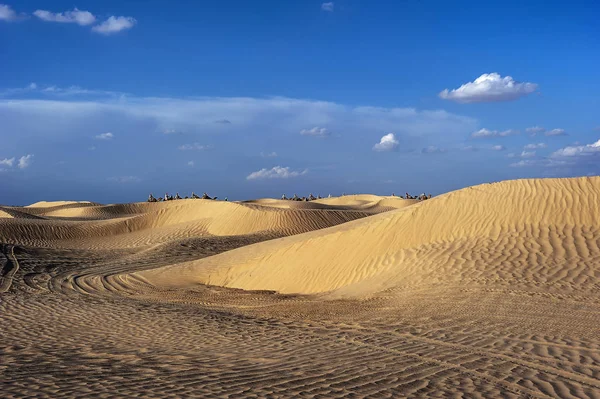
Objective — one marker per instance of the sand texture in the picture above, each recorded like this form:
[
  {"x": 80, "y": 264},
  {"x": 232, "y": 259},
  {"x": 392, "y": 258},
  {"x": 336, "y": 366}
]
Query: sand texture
[{"x": 489, "y": 291}]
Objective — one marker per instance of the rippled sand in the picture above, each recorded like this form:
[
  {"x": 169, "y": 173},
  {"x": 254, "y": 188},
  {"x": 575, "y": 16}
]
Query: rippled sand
[{"x": 491, "y": 291}]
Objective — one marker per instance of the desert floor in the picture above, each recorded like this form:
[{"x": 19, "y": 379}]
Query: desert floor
[{"x": 490, "y": 291}]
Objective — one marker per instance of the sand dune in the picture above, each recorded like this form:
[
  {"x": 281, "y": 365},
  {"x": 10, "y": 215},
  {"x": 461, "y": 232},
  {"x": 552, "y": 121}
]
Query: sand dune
[
  {"x": 490, "y": 291},
  {"x": 130, "y": 225},
  {"x": 53, "y": 204},
  {"x": 534, "y": 224}
]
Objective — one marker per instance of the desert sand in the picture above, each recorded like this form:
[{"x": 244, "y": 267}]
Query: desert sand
[{"x": 485, "y": 292}]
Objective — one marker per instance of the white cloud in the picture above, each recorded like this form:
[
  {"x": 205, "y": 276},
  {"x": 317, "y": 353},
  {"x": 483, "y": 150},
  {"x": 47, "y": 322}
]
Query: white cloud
[
  {"x": 498, "y": 148},
  {"x": 527, "y": 154},
  {"x": 125, "y": 179},
  {"x": 534, "y": 146},
  {"x": 524, "y": 162},
  {"x": 268, "y": 155},
  {"x": 578, "y": 151},
  {"x": 509, "y": 132},
  {"x": 327, "y": 6},
  {"x": 105, "y": 136},
  {"x": 511, "y": 155},
  {"x": 7, "y": 161},
  {"x": 32, "y": 86},
  {"x": 387, "y": 143},
  {"x": 276, "y": 172},
  {"x": 432, "y": 149},
  {"x": 484, "y": 133},
  {"x": 7, "y": 13},
  {"x": 534, "y": 130},
  {"x": 316, "y": 131},
  {"x": 470, "y": 148},
  {"x": 25, "y": 161},
  {"x": 76, "y": 16},
  {"x": 489, "y": 88},
  {"x": 114, "y": 24},
  {"x": 556, "y": 132},
  {"x": 190, "y": 163},
  {"x": 193, "y": 146}
]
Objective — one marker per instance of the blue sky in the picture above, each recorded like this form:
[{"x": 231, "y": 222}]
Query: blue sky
[{"x": 109, "y": 101}]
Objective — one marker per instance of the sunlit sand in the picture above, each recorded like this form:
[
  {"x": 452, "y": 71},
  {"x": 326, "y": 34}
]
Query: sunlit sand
[{"x": 489, "y": 291}]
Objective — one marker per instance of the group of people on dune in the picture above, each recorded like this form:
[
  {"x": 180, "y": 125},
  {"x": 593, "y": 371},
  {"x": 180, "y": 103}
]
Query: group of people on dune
[
  {"x": 417, "y": 197},
  {"x": 168, "y": 197},
  {"x": 296, "y": 198}
]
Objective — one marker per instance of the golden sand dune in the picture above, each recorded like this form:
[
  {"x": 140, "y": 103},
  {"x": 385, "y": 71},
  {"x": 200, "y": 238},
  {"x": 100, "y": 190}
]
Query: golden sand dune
[
  {"x": 486, "y": 292},
  {"x": 531, "y": 227},
  {"x": 52, "y": 204},
  {"x": 128, "y": 225}
]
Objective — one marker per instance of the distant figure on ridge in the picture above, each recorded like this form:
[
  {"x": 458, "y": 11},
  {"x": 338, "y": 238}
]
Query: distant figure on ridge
[
  {"x": 151, "y": 198},
  {"x": 283, "y": 197},
  {"x": 177, "y": 197}
]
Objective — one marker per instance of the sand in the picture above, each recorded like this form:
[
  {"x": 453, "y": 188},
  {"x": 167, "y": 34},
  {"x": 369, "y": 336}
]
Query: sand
[{"x": 489, "y": 291}]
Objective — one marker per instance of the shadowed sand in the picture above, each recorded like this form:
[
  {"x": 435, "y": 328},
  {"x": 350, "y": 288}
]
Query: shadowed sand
[{"x": 489, "y": 291}]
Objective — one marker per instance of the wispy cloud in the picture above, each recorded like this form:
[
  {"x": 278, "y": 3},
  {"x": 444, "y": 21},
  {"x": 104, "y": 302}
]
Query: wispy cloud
[
  {"x": 114, "y": 24},
  {"x": 7, "y": 13},
  {"x": 527, "y": 154},
  {"x": 194, "y": 146},
  {"x": 268, "y": 154},
  {"x": 105, "y": 136},
  {"x": 524, "y": 162},
  {"x": 484, "y": 133},
  {"x": 470, "y": 148},
  {"x": 534, "y": 130},
  {"x": 556, "y": 132},
  {"x": 498, "y": 148},
  {"x": 432, "y": 149},
  {"x": 190, "y": 163},
  {"x": 534, "y": 146},
  {"x": 316, "y": 132},
  {"x": 327, "y": 6},
  {"x": 7, "y": 161},
  {"x": 276, "y": 172},
  {"x": 509, "y": 132},
  {"x": 76, "y": 16},
  {"x": 51, "y": 90},
  {"x": 580, "y": 151},
  {"x": 387, "y": 143},
  {"x": 125, "y": 179},
  {"x": 25, "y": 161},
  {"x": 489, "y": 87}
]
